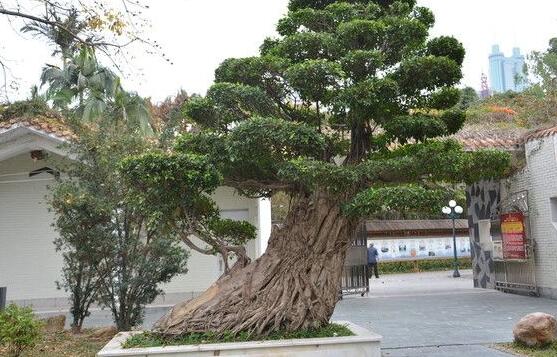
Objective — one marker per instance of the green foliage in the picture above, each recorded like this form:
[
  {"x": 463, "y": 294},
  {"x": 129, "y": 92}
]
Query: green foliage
[
  {"x": 184, "y": 177},
  {"x": 418, "y": 127},
  {"x": 77, "y": 222},
  {"x": 445, "y": 46},
  {"x": 30, "y": 108},
  {"x": 350, "y": 101},
  {"x": 468, "y": 96},
  {"x": 422, "y": 265},
  {"x": 445, "y": 98},
  {"x": 427, "y": 73},
  {"x": 148, "y": 339},
  {"x": 19, "y": 329},
  {"x": 272, "y": 122},
  {"x": 454, "y": 120},
  {"x": 116, "y": 250},
  {"x": 233, "y": 232},
  {"x": 325, "y": 74},
  {"x": 183, "y": 181},
  {"x": 361, "y": 64},
  {"x": 317, "y": 175},
  {"x": 434, "y": 161},
  {"x": 174, "y": 188},
  {"x": 87, "y": 90},
  {"x": 228, "y": 103},
  {"x": 518, "y": 348},
  {"x": 391, "y": 199}
]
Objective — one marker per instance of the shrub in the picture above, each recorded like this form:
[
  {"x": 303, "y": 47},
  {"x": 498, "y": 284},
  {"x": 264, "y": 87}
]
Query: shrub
[
  {"x": 19, "y": 329},
  {"x": 415, "y": 266}
]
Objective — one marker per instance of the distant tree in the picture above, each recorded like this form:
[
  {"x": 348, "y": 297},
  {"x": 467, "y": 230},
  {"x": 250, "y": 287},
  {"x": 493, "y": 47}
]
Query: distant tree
[
  {"x": 544, "y": 67},
  {"x": 468, "y": 96},
  {"x": 366, "y": 71},
  {"x": 168, "y": 117}
]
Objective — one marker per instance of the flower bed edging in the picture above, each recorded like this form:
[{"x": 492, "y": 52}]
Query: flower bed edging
[{"x": 364, "y": 344}]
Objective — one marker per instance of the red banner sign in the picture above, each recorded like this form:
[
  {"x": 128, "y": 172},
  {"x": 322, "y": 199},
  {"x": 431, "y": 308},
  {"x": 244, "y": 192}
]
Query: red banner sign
[{"x": 514, "y": 236}]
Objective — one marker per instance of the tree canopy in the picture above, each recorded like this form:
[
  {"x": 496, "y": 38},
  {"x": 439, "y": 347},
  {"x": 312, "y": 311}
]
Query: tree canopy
[
  {"x": 352, "y": 96},
  {"x": 347, "y": 111}
]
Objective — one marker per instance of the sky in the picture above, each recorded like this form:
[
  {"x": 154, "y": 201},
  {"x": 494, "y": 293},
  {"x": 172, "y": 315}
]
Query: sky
[{"x": 199, "y": 34}]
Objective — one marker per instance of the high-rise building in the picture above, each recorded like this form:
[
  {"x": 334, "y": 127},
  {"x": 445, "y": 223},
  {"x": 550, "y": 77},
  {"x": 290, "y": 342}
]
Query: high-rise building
[{"x": 506, "y": 73}]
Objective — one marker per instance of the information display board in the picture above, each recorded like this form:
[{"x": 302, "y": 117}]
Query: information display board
[{"x": 513, "y": 234}]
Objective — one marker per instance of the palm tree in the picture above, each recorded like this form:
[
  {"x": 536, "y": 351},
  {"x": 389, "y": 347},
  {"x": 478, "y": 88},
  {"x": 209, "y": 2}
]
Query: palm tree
[
  {"x": 92, "y": 92},
  {"x": 82, "y": 87}
]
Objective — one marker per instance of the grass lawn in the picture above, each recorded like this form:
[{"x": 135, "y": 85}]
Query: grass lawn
[
  {"x": 521, "y": 350},
  {"x": 152, "y": 340},
  {"x": 65, "y": 344}
]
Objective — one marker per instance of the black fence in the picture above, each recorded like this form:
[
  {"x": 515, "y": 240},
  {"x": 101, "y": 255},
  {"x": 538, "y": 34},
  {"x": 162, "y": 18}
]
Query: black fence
[
  {"x": 3, "y": 291},
  {"x": 355, "y": 275}
]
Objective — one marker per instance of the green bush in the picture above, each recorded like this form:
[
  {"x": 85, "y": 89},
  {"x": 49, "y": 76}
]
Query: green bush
[
  {"x": 19, "y": 329},
  {"x": 416, "y": 266}
]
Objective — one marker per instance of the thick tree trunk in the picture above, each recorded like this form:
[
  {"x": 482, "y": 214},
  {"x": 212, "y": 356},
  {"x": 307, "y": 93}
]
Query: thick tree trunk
[{"x": 294, "y": 285}]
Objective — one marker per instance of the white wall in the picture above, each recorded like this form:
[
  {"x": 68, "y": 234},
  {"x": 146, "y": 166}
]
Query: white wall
[
  {"x": 29, "y": 264},
  {"x": 542, "y": 166},
  {"x": 539, "y": 178},
  {"x": 203, "y": 270}
]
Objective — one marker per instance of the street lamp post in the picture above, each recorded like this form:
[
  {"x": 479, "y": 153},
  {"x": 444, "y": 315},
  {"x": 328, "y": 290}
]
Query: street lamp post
[{"x": 454, "y": 211}]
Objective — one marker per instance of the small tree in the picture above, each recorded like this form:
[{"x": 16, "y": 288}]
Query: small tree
[
  {"x": 115, "y": 252},
  {"x": 80, "y": 236}
]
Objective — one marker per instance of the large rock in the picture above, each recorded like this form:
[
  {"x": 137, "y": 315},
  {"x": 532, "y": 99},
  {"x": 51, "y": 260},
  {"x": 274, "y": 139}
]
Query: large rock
[
  {"x": 536, "y": 329},
  {"x": 54, "y": 324}
]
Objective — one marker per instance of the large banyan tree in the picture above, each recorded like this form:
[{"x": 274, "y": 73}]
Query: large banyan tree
[{"x": 345, "y": 111}]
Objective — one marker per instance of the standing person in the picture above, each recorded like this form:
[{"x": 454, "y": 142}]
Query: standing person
[{"x": 372, "y": 261}]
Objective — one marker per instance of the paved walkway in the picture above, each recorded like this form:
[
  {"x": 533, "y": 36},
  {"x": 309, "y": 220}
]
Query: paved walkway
[
  {"x": 427, "y": 314},
  {"x": 416, "y": 313},
  {"x": 445, "y": 351}
]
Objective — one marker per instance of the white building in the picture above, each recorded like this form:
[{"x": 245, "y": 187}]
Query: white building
[
  {"x": 532, "y": 192},
  {"x": 29, "y": 265}
]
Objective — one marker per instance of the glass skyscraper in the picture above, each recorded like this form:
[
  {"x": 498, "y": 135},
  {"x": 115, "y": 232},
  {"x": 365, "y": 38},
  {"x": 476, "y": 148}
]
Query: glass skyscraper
[{"x": 506, "y": 73}]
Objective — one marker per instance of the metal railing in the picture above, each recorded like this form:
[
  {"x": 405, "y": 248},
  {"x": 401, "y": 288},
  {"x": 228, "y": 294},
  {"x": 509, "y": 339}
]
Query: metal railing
[
  {"x": 354, "y": 278},
  {"x": 516, "y": 275}
]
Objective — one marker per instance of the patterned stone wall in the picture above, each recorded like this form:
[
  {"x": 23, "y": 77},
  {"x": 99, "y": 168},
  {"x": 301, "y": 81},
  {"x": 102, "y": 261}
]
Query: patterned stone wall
[{"x": 482, "y": 199}]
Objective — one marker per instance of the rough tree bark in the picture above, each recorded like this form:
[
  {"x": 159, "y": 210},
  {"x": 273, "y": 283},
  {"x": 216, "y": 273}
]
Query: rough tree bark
[{"x": 294, "y": 285}]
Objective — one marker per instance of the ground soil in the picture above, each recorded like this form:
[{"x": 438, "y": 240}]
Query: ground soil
[{"x": 65, "y": 344}]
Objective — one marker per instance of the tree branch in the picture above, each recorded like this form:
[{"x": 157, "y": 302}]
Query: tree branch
[
  {"x": 191, "y": 245},
  {"x": 65, "y": 29}
]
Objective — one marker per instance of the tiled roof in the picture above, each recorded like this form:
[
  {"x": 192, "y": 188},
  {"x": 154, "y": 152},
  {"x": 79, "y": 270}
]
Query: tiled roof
[
  {"x": 392, "y": 226},
  {"x": 539, "y": 134},
  {"x": 476, "y": 143},
  {"x": 49, "y": 126},
  {"x": 476, "y": 137}
]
